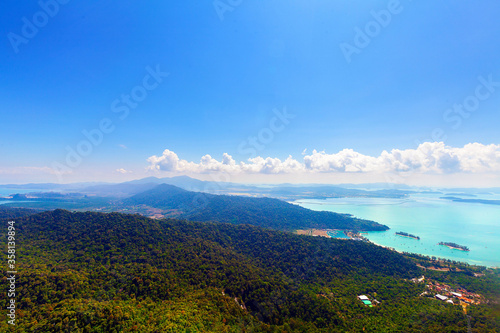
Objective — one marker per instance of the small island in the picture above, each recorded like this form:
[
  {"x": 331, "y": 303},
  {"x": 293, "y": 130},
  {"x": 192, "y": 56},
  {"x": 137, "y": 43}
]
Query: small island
[
  {"x": 404, "y": 234},
  {"x": 454, "y": 246}
]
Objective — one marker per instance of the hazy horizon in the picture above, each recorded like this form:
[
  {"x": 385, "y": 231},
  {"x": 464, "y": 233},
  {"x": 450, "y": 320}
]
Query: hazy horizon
[{"x": 211, "y": 178}]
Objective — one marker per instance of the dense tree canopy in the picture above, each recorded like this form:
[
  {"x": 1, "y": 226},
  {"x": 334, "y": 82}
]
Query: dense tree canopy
[{"x": 95, "y": 272}]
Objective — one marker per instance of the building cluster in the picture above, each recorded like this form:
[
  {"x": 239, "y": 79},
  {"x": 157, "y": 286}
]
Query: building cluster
[
  {"x": 366, "y": 301},
  {"x": 418, "y": 280},
  {"x": 454, "y": 296},
  {"x": 445, "y": 293}
]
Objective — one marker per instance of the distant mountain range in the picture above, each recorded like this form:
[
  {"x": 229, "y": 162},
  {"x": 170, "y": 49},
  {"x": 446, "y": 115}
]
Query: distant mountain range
[{"x": 282, "y": 191}]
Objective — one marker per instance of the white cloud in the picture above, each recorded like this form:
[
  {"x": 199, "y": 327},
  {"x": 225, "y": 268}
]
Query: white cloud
[
  {"x": 123, "y": 171},
  {"x": 429, "y": 157}
]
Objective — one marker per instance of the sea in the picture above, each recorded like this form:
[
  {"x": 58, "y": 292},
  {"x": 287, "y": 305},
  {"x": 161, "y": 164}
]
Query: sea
[
  {"x": 5, "y": 192},
  {"x": 433, "y": 219}
]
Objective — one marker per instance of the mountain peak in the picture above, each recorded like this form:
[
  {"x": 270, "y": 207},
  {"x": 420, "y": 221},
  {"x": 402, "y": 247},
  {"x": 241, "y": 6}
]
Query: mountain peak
[{"x": 172, "y": 189}]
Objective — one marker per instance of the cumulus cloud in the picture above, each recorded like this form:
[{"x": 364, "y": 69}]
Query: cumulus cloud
[{"x": 429, "y": 157}]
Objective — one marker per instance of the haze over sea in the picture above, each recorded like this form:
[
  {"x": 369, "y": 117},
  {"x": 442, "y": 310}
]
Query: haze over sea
[{"x": 432, "y": 219}]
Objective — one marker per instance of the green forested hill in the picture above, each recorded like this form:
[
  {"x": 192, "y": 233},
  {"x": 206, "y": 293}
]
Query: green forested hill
[
  {"x": 265, "y": 212},
  {"x": 12, "y": 213},
  {"x": 94, "y": 272}
]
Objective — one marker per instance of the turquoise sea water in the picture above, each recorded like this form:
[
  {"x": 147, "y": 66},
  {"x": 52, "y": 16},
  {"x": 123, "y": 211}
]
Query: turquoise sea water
[
  {"x": 4, "y": 192},
  {"x": 434, "y": 220}
]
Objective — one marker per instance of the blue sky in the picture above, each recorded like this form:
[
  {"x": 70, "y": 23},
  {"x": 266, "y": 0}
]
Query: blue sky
[{"x": 230, "y": 69}]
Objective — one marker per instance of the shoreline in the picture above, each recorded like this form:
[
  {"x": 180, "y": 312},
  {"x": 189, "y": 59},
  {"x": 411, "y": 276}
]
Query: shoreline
[
  {"x": 426, "y": 246},
  {"x": 310, "y": 233},
  {"x": 386, "y": 247}
]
